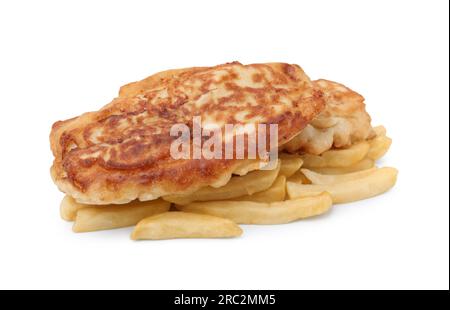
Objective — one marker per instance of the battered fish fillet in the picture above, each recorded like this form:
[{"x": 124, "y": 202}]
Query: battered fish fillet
[
  {"x": 122, "y": 152},
  {"x": 342, "y": 123}
]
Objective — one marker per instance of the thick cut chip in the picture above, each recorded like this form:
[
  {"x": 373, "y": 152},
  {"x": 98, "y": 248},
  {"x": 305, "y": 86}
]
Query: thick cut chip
[
  {"x": 376, "y": 183},
  {"x": 337, "y": 158},
  {"x": 290, "y": 164},
  {"x": 379, "y": 130},
  {"x": 299, "y": 177},
  {"x": 379, "y": 147},
  {"x": 116, "y": 216},
  {"x": 249, "y": 212},
  {"x": 174, "y": 225},
  {"x": 122, "y": 152},
  {"x": 69, "y": 208},
  {"x": 364, "y": 164},
  {"x": 249, "y": 165},
  {"x": 324, "y": 179},
  {"x": 255, "y": 181},
  {"x": 277, "y": 192}
]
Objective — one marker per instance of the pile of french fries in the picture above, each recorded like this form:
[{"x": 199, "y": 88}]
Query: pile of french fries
[{"x": 301, "y": 186}]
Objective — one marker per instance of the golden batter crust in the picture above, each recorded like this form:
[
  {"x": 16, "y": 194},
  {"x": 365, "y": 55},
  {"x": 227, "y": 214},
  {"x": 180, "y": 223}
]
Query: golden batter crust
[{"x": 122, "y": 152}]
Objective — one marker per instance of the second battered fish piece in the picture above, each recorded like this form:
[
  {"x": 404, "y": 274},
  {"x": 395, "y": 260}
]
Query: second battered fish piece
[{"x": 342, "y": 123}]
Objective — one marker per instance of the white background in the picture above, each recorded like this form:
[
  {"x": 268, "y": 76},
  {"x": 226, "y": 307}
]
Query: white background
[{"x": 60, "y": 58}]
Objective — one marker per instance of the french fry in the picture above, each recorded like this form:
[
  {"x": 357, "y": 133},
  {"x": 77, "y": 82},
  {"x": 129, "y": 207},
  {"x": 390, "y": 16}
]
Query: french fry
[
  {"x": 379, "y": 130},
  {"x": 337, "y": 158},
  {"x": 277, "y": 192},
  {"x": 377, "y": 182},
  {"x": 116, "y": 216},
  {"x": 379, "y": 147},
  {"x": 249, "y": 212},
  {"x": 364, "y": 164},
  {"x": 248, "y": 166},
  {"x": 172, "y": 225},
  {"x": 290, "y": 164},
  {"x": 255, "y": 181},
  {"x": 293, "y": 144},
  {"x": 69, "y": 207},
  {"x": 325, "y": 179},
  {"x": 299, "y": 177}
]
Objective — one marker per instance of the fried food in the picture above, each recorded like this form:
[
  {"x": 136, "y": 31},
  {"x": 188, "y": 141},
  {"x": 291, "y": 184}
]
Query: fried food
[
  {"x": 69, "y": 208},
  {"x": 117, "y": 168},
  {"x": 174, "y": 225},
  {"x": 122, "y": 152},
  {"x": 364, "y": 164},
  {"x": 290, "y": 164},
  {"x": 299, "y": 177},
  {"x": 277, "y": 192},
  {"x": 373, "y": 184},
  {"x": 326, "y": 179},
  {"x": 342, "y": 123},
  {"x": 337, "y": 158},
  {"x": 255, "y": 181},
  {"x": 379, "y": 130},
  {"x": 248, "y": 212},
  {"x": 379, "y": 147},
  {"x": 117, "y": 216}
]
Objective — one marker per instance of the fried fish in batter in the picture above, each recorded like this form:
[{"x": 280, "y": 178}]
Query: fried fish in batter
[
  {"x": 342, "y": 123},
  {"x": 122, "y": 152}
]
